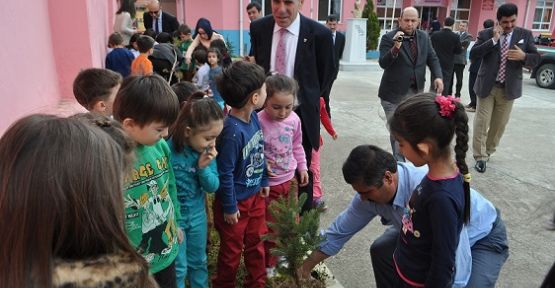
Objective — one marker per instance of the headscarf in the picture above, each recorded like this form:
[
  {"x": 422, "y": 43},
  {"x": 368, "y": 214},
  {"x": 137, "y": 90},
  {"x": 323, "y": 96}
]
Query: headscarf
[{"x": 206, "y": 26}]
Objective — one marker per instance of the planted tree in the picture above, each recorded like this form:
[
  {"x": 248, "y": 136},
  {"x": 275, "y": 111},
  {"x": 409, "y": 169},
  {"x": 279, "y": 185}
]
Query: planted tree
[{"x": 372, "y": 26}]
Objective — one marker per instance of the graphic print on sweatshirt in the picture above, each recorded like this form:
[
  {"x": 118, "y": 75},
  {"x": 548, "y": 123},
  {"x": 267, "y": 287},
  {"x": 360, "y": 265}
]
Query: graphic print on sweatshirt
[
  {"x": 282, "y": 152},
  {"x": 254, "y": 153},
  {"x": 408, "y": 214}
]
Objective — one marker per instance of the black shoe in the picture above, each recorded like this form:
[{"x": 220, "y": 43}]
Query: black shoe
[{"x": 480, "y": 166}]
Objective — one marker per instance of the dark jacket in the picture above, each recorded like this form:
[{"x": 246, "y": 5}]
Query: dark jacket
[{"x": 169, "y": 22}]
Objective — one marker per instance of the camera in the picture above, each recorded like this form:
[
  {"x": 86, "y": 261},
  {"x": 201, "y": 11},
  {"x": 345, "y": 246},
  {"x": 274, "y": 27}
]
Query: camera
[{"x": 402, "y": 38}]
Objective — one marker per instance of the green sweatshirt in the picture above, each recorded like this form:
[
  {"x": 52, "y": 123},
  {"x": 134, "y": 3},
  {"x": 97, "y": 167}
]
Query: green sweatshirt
[{"x": 151, "y": 206}]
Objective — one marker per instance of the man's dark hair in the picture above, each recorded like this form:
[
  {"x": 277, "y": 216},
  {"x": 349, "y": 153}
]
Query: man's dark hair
[
  {"x": 255, "y": 5},
  {"x": 488, "y": 23},
  {"x": 332, "y": 18},
  {"x": 448, "y": 22},
  {"x": 506, "y": 10},
  {"x": 146, "y": 99},
  {"x": 145, "y": 43},
  {"x": 367, "y": 164},
  {"x": 93, "y": 85},
  {"x": 238, "y": 82}
]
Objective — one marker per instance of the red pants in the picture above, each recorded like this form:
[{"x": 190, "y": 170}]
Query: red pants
[
  {"x": 276, "y": 192},
  {"x": 233, "y": 238}
]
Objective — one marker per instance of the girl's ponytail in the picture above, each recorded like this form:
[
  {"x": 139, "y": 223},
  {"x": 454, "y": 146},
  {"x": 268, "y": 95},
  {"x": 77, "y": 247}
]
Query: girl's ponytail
[{"x": 461, "y": 146}]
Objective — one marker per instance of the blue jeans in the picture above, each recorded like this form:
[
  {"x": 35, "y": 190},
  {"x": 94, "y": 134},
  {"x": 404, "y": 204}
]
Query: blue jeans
[
  {"x": 389, "y": 109},
  {"x": 191, "y": 262},
  {"x": 488, "y": 256}
]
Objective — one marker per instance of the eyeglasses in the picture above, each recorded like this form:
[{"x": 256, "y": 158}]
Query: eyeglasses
[{"x": 153, "y": 12}]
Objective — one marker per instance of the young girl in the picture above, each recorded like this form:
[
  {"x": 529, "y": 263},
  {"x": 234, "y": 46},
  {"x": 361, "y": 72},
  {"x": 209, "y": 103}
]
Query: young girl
[
  {"x": 283, "y": 148},
  {"x": 72, "y": 235},
  {"x": 214, "y": 59},
  {"x": 425, "y": 125},
  {"x": 192, "y": 145}
]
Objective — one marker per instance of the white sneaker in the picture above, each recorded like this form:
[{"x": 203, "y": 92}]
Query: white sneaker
[{"x": 270, "y": 272}]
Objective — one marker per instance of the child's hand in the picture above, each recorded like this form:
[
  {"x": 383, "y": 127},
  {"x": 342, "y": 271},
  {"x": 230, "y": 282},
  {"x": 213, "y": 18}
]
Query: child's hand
[
  {"x": 180, "y": 235},
  {"x": 207, "y": 156},
  {"x": 265, "y": 192},
  {"x": 232, "y": 218},
  {"x": 303, "y": 178},
  {"x": 334, "y": 137},
  {"x": 269, "y": 164}
]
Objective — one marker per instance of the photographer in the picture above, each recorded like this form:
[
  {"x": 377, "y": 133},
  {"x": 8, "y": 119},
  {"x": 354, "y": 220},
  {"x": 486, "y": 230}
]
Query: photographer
[{"x": 404, "y": 54}]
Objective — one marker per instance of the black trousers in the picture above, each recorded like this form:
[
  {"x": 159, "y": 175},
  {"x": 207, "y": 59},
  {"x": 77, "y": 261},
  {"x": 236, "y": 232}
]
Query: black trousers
[
  {"x": 166, "y": 277},
  {"x": 326, "y": 96},
  {"x": 458, "y": 71},
  {"x": 471, "y": 80},
  {"x": 381, "y": 252},
  {"x": 307, "y": 147}
]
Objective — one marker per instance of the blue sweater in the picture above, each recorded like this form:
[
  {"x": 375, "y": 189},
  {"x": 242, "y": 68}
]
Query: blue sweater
[
  {"x": 192, "y": 183},
  {"x": 241, "y": 162},
  {"x": 432, "y": 222},
  {"x": 119, "y": 60}
]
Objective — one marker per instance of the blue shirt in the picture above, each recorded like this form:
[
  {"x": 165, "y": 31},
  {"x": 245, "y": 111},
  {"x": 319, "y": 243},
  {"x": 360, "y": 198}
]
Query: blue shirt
[
  {"x": 360, "y": 213},
  {"x": 119, "y": 60},
  {"x": 241, "y": 162},
  {"x": 192, "y": 183}
]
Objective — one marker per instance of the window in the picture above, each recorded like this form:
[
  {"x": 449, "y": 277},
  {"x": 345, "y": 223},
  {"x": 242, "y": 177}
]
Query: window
[
  {"x": 327, "y": 7},
  {"x": 542, "y": 15},
  {"x": 266, "y": 6},
  {"x": 460, "y": 10},
  {"x": 384, "y": 9}
]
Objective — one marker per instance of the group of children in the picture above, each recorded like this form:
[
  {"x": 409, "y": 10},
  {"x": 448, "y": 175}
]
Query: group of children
[{"x": 248, "y": 158}]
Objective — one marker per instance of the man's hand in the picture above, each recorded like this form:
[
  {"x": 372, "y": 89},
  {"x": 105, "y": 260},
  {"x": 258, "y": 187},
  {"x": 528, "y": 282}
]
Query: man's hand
[
  {"x": 497, "y": 30},
  {"x": 516, "y": 54},
  {"x": 398, "y": 43},
  {"x": 313, "y": 259},
  {"x": 207, "y": 156},
  {"x": 232, "y": 218},
  {"x": 265, "y": 192},
  {"x": 303, "y": 178},
  {"x": 438, "y": 85}
]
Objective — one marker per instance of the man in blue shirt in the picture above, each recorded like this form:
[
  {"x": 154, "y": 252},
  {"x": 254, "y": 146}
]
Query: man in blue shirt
[{"x": 384, "y": 187}]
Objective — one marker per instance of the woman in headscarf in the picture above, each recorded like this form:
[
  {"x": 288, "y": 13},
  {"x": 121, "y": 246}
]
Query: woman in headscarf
[{"x": 204, "y": 35}]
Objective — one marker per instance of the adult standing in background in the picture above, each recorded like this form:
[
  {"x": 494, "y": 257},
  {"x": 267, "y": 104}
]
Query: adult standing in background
[
  {"x": 159, "y": 21},
  {"x": 204, "y": 35},
  {"x": 460, "y": 58},
  {"x": 446, "y": 44},
  {"x": 288, "y": 43},
  {"x": 254, "y": 10},
  {"x": 404, "y": 54},
  {"x": 504, "y": 50},
  {"x": 473, "y": 74},
  {"x": 339, "y": 46},
  {"x": 124, "y": 20}
]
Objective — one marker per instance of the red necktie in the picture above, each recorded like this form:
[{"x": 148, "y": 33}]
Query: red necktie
[
  {"x": 503, "y": 64},
  {"x": 281, "y": 53},
  {"x": 413, "y": 49}
]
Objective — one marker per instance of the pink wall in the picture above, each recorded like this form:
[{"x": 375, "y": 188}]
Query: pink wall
[{"x": 28, "y": 75}]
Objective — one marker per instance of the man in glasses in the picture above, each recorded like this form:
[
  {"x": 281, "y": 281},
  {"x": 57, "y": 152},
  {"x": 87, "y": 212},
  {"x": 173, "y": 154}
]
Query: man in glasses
[{"x": 158, "y": 20}]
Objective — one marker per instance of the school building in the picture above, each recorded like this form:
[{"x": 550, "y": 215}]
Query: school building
[{"x": 50, "y": 41}]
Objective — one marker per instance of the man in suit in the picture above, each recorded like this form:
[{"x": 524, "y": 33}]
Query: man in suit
[
  {"x": 159, "y": 21},
  {"x": 446, "y": 44},
  {"x": 288, "y": 43},
  {"x": 473, "y": 74},
  {"x": 404, "y": 54},
  {"x": 504, "y": 50},
  {"x": 460, "y": 58},
  {"x": 339, "y": 45}
]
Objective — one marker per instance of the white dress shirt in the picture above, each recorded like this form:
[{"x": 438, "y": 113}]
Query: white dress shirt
[
  {"x": 159, "y": 22},
  {"x": 291, "y": 40}
]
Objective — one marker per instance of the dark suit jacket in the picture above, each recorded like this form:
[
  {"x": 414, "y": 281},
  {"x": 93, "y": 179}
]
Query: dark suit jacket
[
  {"x": 314, "y": 67},
  {"x": 399, "y": 70},
  {"x": 491, "y": 57},
  {"x": 465, "y": 40},
  {"x": 339, "y": 47},
  {"x": 446, "y": 44},
  {"x": 169, "y": 22}
]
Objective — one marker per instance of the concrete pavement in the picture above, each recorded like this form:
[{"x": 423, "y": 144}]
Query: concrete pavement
[{"x": 519, "y": 179}]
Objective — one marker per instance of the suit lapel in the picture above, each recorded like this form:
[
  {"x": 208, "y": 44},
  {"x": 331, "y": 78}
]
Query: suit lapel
[
  {"x": 268, "y": 38},
  {"x": 304, "y": 39},
  {"x": 515, "y": 38}
]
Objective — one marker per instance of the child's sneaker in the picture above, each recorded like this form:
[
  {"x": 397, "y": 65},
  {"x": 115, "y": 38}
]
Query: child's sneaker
[
  {"x": 319, "y": 203},
  {"x": 270, "y": 272}
]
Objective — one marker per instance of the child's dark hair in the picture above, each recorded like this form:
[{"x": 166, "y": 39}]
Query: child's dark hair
[
  {"x": 150, "y": 32},
  {"x": 146, "y": 99},
  {"x": 281, "y": 84},
  {"x": 215, "y": 51},
  {"x": 198, "y": 112},
  {"x": 220, "y": 44},
  {"x": 145, "y": 43},
  {"x": 93, "y": 85},
  {"x": 164, "y": 37},
  {"x": 133, "y": 39},
  {"x": 184, "y": 29},
  {"x": 367, "y": 164},
  {"x": 184, "y": 90},
  {"x": 238, "y": 82},
  {"x": 418, "y": 119},
  {"x": 115, "y": 39},
  {"x": 115, "y": 130},
  {"x": 200, "y": 55}
]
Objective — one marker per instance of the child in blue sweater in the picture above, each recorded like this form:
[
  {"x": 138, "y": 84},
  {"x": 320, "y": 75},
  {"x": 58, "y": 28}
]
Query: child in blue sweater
[
  {"x": 193, "y": 150},
  {"x": 239, "y": 207},
  {"x": 425, "y": 125}
]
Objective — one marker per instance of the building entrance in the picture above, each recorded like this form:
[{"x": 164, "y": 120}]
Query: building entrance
[{"x": 427, "y": 15}]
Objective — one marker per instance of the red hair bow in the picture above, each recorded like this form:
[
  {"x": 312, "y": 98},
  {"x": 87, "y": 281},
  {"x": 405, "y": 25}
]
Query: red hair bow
[{"x": 447, "y": 105}]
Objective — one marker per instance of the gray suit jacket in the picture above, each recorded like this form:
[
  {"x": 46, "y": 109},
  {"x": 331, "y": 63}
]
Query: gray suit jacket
[
  {"x": 460, "y": 58},
  {"x": 399, "y": 70},
  {"x": 491, "y": 57}
]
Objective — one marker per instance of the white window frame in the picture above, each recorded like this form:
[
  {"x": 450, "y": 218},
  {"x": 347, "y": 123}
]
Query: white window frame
[
  {"x": 387, "y": 20},
  {"x": 339, "y": 15},
  {"x": 455, "y": 9},
  {"x": 541, "y": 23}
]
